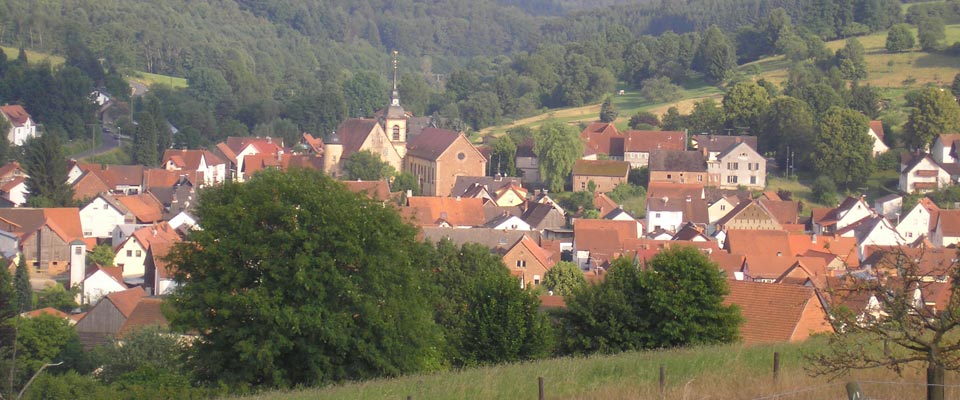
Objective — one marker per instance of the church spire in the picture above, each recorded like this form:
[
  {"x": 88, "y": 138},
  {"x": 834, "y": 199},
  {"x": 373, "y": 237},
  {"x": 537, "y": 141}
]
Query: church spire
[{"x": 395, "y": 53}]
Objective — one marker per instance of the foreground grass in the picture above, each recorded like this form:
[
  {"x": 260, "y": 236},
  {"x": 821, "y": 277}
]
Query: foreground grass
[{"x": 720, "y": 372}]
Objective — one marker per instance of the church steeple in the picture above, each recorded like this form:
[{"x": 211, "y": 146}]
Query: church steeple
[{"x": 395, "y": 96}]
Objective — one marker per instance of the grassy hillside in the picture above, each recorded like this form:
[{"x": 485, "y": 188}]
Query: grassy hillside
[
  {"x": 142, "y": 77},
  {"x": 722, "y": 372},
  {"x": 898, "y": 70},
  {"x": 32, "y": 56}
]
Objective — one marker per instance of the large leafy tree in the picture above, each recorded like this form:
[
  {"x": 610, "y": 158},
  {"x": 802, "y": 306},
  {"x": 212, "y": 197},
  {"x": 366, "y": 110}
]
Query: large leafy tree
[
  {"x": 503, "y": 157},
  {"x": 744, "y": 105},
  {"x": 900, "y": 38},
  {"x": 486, "y": 316},
  {"x": 367, "y": 166},
  {"x": 46, "y": 168},
  {"x": 931, "y": 33},
  {"x": 296, "y": 280},
  {"x": 844, "y": 149},
  {"x": 558, "y": 147},
  {"x": 934, "y": 112},
  {"x": 716, "y": 55},
  {"x": 789, "y": 124},
  {"x": 851, "y": 61},
  {"x": 676, "y": 301},
  {"x": 564, "y": 278},
  {"x": 365, "y": 93}
]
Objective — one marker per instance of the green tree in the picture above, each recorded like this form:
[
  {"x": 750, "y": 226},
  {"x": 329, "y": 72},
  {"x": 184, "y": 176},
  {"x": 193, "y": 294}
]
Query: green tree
[
  {"x": 716, "y": 55},
  {"x": 41, "y": 340},
  {"x": 900, "y": 38},
  {"x": 608, "y": 112},
  {"x": 865, "y": 99},
  {"x": 706, "y": 117},
  {"x": 46, "y": 168},
  {"x": 934, "y": 112},
  {"x": 677, "y": 301},
  {"x": 150, "y": 349},
  {"x": 346, "y": 300},
  {"x": 367, "y": 166},
  {"x": 22, "y": 283},
  {"x": 564, "y": 278},
  {"x": 503, "y": 157},
  {"x": 931, "y": 33},
  {"x": 955, "y": 88},
  {"x": 403, "y": 182},
  {"x": 789, "y": 123},
  {"x": 5, "y": 151},
  {"x": 101, "y": 255},
  {"x": 850, "y": 59},
  {"x": 659, "y": 90},
  {"x": 8, "y": 307},
  {"x": 486, "y": 316},
  {"x": 744, "y": 105},
  {"x": 824, "y": 191},
  {"x": 644, "y": 120},
  {"x": 145, "y": 140},
  {"x": 57, "y": 297},
  {"x": 366, "y": 93},
  {"x": 558, "y": 147},
  {"x": 844, "y": 149}
]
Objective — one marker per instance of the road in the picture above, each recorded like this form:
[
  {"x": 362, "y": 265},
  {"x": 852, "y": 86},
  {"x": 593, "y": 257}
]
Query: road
[{"x": 108, "y": 140}]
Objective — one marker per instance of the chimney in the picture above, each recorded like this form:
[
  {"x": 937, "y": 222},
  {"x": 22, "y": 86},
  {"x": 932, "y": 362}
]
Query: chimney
[
  {"x": 409, "y": 193},
  {"x": 689, "y": 199},
  {"x": 458, "y": 198},
  {"x": 269, "y": 140},
  {"x": 78, "y": 264},
  {"x": 664, "y": 198},
  {"x": 813, "y": 238}
]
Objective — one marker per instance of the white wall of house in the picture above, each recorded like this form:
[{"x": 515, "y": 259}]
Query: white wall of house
[
  {"x": 941, "y": 152},
  {"x": 99, "y": 284},
  {"x": 883, "y": 234},
  {"x": 18, "y": 135},
  {"x": 878, "y": 146},
  {"x": 859, "y": 211},
  {"x": 100, "y": 218},
  {"x": 514, "y": 223},
  {"x": 719, "y": 209},
  {"x": 131, "y": 256},
  {"x": 18, "y": 194},
  {"x": 910, "y": 178},
  {"x": 743, "y": 166},
  {"x": 637, "y": 159},
  {"x": 667, "y": 220},
  {"x": 914, "y": 224}
]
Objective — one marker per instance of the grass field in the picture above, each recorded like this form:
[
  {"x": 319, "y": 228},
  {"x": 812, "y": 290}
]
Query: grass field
[
  {"x": 721, "y": 372},
  {"x": 148, "y": 79},
  {"x": 32, "y": 56}
]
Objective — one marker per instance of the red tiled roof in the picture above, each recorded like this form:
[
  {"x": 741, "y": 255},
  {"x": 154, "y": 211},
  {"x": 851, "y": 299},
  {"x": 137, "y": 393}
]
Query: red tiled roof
[
  {"x": 547, "y": 301},
  {"x": 148, "y": 312},
  {"x": 156, "y": 233},
  {"x": 316, "y": 144},
  {"x": 599, "y": 137},
  {"x": 45, "y": 311},
  {"x": 116, "y": 175},
  {"x": 353, "y": 132},
  {"x": 88, "y": 186},
  {"x": 126, "y": 301},
  {"x": 785, "y": 212},
  {"x": 772, "y": 313},
  {"x": 949, "y": 224},
  {"x": 604, "y": 203},
  {"x": 159, "y": 249},
  {"x": 647, "y": 141},
  {"x": 262, "y": 145},
  {"x": 16, "y": 114},
  {"x": 459, "y": 212},
  {"x": 190, "y": 159},
  {"x": 601, "y": 168},
  {"x": 65, "y": 222},
  {"x": 543, "y": 256},
  {"x": 144, "y": 206},
  {"x": 877, "y": 127},
  {"x": 159, "y": 177},
  {"x": 113, "y": 272},
  {"x": 10, "y": 169},
  {"x": 12, "y": 184},
  {"x": 377, "y": 190},
  {"x": 431, "y": 143}
]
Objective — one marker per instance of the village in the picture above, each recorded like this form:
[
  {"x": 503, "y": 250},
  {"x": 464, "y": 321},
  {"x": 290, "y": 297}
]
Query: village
[{"x": 706, "y": 191}]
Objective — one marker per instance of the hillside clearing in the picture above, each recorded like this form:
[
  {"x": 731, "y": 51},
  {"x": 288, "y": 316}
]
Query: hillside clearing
[{"x": 721, "y": 372}]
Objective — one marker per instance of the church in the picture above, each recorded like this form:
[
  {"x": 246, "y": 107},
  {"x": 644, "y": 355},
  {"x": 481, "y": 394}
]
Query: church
[{"x": 434, "y": 156}]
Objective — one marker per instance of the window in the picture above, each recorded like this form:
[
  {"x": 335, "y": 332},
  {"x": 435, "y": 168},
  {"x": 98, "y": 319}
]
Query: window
[
  {"x": 521, "y": 263},
  {"x": 461, "y": 156},
  {"x": 78, "y": 251},
  {"x": 657, "y": 215},
  {"x": 732, "y": 166},
  {"x": 129, "y": 253},
  {"x": 723, "y": 207},
  {"x": 138, "y": 253},
  {"x": 909, "y": 234},
  {"x": 583, "y": 185},
  {"x": 396, "y": 132},
  {"x": 536, "y": 279},
  {"x": 699, "y": 178},
  {"x": 753, "y": 180},
  {"x": 105, "y": 206},
  {"x": 731, "y": 179},
  {"x": 669, "y": 176}
]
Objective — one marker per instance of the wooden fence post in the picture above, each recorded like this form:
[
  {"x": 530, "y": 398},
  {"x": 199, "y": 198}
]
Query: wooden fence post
[
  {"x": 776, "y": 367},
  {"x": 540, "y": 386},
  {"x": 663, "y": 379}
]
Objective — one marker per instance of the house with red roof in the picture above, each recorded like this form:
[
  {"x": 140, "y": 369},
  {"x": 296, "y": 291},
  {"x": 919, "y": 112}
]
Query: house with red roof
[
  {"x": 158, "y": 276},
  {"x": 529, "y": 262},
  {"x": 830, "y": 220},
  {"x": 101, "y": 281},
  {"x": 947, "y": 230},
  {"x": 919, "y": 221},
  {"x": 22, "y": 126},
  {"x": 921, "y": 173},
  {"x": 203, "y": 166},
  {"x": 101, "y": 324},
  {"x": 597, "y": 241},
  {"x": 102, "y": 214},
  {"x": 671, "y": 205},
  {"x": 436, "y": 157},
  {"x": 775, "y": 313},
  {"x": 13, "y": 185},
  {"x": 637, "y": 145},
  {"x": 234, "y": 150},
  {"x": 875, "y": 131},
  {"x": 119, "y": 179},
  {"x": 145, "y": 208},
  {"x": 603, "y": 138},
  {"x": 147, "y": 313},
  {"x": 44, "y": 235},
  {"x": 445, "y": 211},
  {"x": 131, "y": 253},
  {"x": 944, "y": 149}
]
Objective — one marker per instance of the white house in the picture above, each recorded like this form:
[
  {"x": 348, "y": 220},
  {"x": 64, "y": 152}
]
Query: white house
[
  {"x": 15, "y": 190},
  {"x": 664, "y": 214},
  {"x": 830, "y": 220},
  {"x": 183, "y": 219},
  {"x": 889, "y": 206},
  {"x": 204, "y": 166},
  {"x": 508, "y": 222},
  {"x": 875, "y": 131},
  {"x": 101, "y": 282},
  {"x": 131, "y": 254},
  {"x": 22, "y": 126},
  {"x": 122, "y": 232},
  {"x": 944, "y": 149},
  {"x": 919, "y": 221},
  {"x": 102, "y": 215},
  {"x": 947, "y": 231},
  {"x": 872, "y": 231},
  {"x": 923, "y": 174}
]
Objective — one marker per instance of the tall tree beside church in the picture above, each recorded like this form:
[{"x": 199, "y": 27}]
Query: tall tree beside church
[
  {"x": 503, "y": 157},
  {"x": 365, "y": 93},
  {"x": 46, "y": 168},
  {"x": 716, "y": 55},
  {"x": 558, "y": 147}
]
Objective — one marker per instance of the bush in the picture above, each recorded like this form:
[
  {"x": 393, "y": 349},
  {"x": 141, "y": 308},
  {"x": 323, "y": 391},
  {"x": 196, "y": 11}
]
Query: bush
[
  {"x": 824, "y": 191},
  {"x": 642, "y": 119},
  {"x": 889, "y": 161}
]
